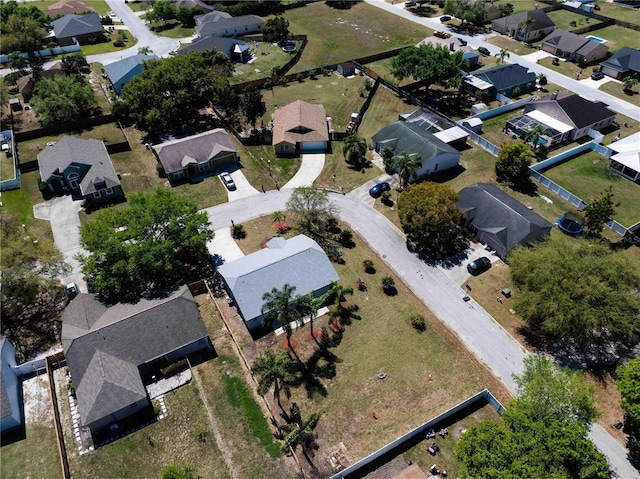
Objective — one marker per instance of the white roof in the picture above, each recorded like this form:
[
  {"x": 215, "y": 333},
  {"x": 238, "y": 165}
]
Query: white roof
[
  {"x": 630, "y": 159},
  {"x": 549, "y": 121},
  {"x": 476, "y": 82},
  {"x": 472, "y": 121},
  {"x": 629, "y": 144},
  {"x": 452, "y": 134}
]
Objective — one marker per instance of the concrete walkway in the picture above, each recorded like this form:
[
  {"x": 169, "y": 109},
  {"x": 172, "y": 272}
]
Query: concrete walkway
[
  {"x": 310, "y": 168},
  {"x": 243, "y": 187},
  {"x": 224, "y": 245},
  {"x": 62, "y": 213}
]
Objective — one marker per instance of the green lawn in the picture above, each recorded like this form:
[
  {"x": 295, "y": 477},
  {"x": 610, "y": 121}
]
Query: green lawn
[
  {"x": 171, "y": 29},
  {"x": 99, "y": 6},
  {"x": 566, "y": 67},
  {"x": 35, "y": 457},
  {"x": 520, "y": 5},
  {"x": 268, "y": 56},
  {"x": 631, "y": 15},
  {"x": 618, "y": 37},
  {"x": 563, "y": 19},
  {"x": 513, "y": 46},
  {"x": 138, "y": 6},
  {"x": 7, "y": 171},
  {"x": 384, "y": 109},
  {"x": 108, "y": 47},
  {"x": 340, "y": 35},
  {"x": 616, "y": 89},
  {"x": 587, "y": 176}
]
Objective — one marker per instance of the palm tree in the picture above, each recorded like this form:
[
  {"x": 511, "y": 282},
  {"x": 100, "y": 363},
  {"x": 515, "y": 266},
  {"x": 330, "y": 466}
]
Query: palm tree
[
  {"x": 534, "y": 134},
  {"x": 387, "y": 158},
  {"x": 388, "y": 283},
  {"x": 310, "y": 304},
  {"x": 354, "y": 149},
  {"x": 280, "y": 305},
  {"x": 146, "y": 50},
  {"x": 628, "y": 83},
  {"x": 502, "y": 54},
  {"x": 407, "y": 166},
  {"x": 338, "y": 292},
  {"x": 526, "y": 25},
  {"x": 300, "y": 432},
  {"x": 273, "y": 370}
]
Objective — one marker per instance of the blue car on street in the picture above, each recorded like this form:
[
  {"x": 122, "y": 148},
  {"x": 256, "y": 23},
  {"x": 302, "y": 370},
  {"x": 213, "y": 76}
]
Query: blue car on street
[{"x": 377, "y": 190}]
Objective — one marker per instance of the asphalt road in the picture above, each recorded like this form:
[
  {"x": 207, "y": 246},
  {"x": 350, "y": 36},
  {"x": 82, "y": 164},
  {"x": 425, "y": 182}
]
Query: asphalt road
[{"x": 481, "y": 334}]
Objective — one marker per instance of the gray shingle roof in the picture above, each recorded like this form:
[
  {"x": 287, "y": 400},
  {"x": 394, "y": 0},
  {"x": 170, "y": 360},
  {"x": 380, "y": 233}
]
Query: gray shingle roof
[
  {"x": 412, "y": 138},
  {"x": 542, "y": 20},
  {"x": 499, "y": 214},
  {"x": 176, "y": 154},
  {"x": 219, "y": 44},
  {"x": 624, "y": 59},
  {"x": 54, "y": 159},
  {"x": 206, "y": 28},
  {"x": 298, "y": 261},
  {"x": 504, "y": 77},
  {"x": 71, "y": 25},
  {"x": 566, "y": 41},
  {"x": 581, "y": 112},
  {"x": 104, "y": 346},
  {"x": 118, "y": 70}
]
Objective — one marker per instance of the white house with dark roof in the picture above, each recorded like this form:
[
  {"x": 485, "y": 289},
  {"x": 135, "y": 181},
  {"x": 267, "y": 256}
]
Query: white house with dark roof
[
  {"x": 11, "y": 408},
  {"x": 298, "y": 261},
  {"x": 499, "y": 220},
  {"x": 406, "y": 137},
  {"x": 221, "y": 24},
  {"x": 81, "y": 166},
  {"x": 112, "y": 351},
  {"x": 513, "y": 25},
  {"x": 122, "y": 71},
  {"x": 196, "y": 156},
  {"x": 80, "y": 28}
]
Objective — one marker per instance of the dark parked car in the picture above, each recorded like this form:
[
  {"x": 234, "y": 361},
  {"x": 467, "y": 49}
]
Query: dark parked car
[
  {"x": 445, "y": 18},
  {"x": 597, "y": 76},
  {"x": 478, "y": 266},
  {"x": 484, "y": 51},
  {"x": 377, "y": 190}
]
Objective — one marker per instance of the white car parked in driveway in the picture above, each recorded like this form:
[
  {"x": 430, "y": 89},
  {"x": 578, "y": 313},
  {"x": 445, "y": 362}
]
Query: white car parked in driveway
[{"x": 228, "y": 181}]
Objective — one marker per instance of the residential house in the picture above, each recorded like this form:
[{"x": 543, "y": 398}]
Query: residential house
[
  {"x": 405, "y": 137},
  {"x": 346, "y": 69},
  {"x": 26, "y": 84},
  {"x": 298, "y": 261},
  {"x": 498, "y": 220},
  {"x": 300, "y": 127},
  {"x": 507, "y": 80},
  {"x": 11, "y": 405},
  {"x": 62, "y": 8},
  {"x": 625, "y": 61},
  {"x": 113, "y": 351},
  {"x": 236, "y": 50},
  {"x": 122, "y": 71},
  {"x": 572, "y": 47},
  {"x": 199, "y": 4},
  {"x": 564, "y": 116},
  {"x": 81, "y": 166},
  {"x": 84, "y": 29},
  {"x": 197, "y": 155},
  {"x": 491, "y": 12},
  {"x": 626, "y": 160},
  {"x": 222, "y": 26},
  {"x": 514, "y": 25}
]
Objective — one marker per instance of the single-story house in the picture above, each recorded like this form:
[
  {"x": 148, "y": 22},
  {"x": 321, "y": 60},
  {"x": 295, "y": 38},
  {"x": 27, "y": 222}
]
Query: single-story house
[
  {"x": 221, "y": 26},
  {"x": 237, "y": 50},
  {"x": 26, "y": 84},
  {"x": 625, "y": 61},
  {"x": 300, "y": 127},
  {"x": 63, "y": 7},
  {"x": 298, "y": 261},
  {"x": 491, "y": 12},
  {"x": 405, "y": 137},
  {"x": 11, "y": 405},
  {"x": 626, "y": 160},
  {"x": 112, "y": 351},
  {"x": 81, "y": 28},
  {"x": 81, "y": 166},
  {"x": 512, "y": 25},
  {"x": 507, "y": 80},
  {"x": 564, "y": 115},
  {"x": 200, "y": 5},
  {"x": 122, "y": 71},
  {"x": 197, "y": 155},
  {"x": 573, "y": 47},
  {"x": 347, "y": 69},
  {"x": 498, "y": 220}
]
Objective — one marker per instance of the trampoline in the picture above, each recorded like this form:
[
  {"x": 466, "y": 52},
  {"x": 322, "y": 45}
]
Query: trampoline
[{"x": 570, "y": 224}]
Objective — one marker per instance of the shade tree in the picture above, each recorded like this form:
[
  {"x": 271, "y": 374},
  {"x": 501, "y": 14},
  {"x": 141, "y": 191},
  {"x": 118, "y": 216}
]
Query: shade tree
[
  {"x": 512, "y": 164},
  {"x": 432, "y": 65},
  {"x": 313, "y": 213},
  {"x": 63, "y": 98}
]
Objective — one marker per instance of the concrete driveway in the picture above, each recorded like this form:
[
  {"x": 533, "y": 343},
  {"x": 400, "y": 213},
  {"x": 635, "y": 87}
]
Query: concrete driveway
[
  {"x": 361, "y": 193},
  {"x": 456, "y": 268},
  {"x": 62, "y": 213},
  {"x": 243, "y": 187},
  {"x": 310, "y": 168}
]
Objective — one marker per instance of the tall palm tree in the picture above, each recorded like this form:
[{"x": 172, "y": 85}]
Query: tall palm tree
[
  {"x": 300, "y": 432},
  {"x": 628, "y": 83},
  {"x": 310, "y": 306},
  {"x": 273, "y": 370},
  {"x": 502, "y": 54},
  {"x": 280, "y": 305},
  {"x": 534, "y": 134},
  {"x": 387, "y": 158},
  {"x": 338, "y": 292},
  {"x": 407, "y": 166},
  {"x": 354, "y": 149},
  {"x": 145, "y": 50},
  {"x": 526, "y": 25}
]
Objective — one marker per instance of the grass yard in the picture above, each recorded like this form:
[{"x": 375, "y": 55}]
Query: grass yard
[
  {"x": 99, "y": 6},
  {"x": 255, "y": 162},
  {"x": 384, "y": 67},
  {"x": 339, "y": 96},
  {"x": 7, "y": 171},
  {"x": 268, "y": 56},
  {"x": 519, "y": 6},
  {"x": 587, "y": 176},
  {"x": 171, "y": 29},
  {"x": 563, "y": 19},
  {"x": 616, "y": 89},
  {"x": 347, "y": 178},
  {"x": 611, "y": 10},
  {"x": 618, "y": 37},
  {"x": 566, "y": 67},
  {"x": 384, "y": 109},
  {"x": 513, "y": 46},
  {"x": 339, "y": 35},
  {"x": 108, "y": 46},
  {"x": 138, "y": 6}
]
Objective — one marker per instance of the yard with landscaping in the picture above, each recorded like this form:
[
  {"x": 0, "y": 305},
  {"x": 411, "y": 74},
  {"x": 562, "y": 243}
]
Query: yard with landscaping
[
  {"x": 514, "y": 46},
  {"x": 171, "y": 29},
  {"x": 566, "y": 20},
  {"x": 267, "y": 57},
  {"x": 108, "y": 46},
  {"x": 617, "y": 89}
]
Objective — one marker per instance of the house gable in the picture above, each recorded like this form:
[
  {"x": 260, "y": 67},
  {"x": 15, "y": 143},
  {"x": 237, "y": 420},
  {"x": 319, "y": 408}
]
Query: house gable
[{"x": 300, "y": 122}]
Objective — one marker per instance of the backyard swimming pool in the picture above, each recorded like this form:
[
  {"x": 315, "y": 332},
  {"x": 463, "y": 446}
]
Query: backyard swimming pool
[{"x": 595, "y": 39}]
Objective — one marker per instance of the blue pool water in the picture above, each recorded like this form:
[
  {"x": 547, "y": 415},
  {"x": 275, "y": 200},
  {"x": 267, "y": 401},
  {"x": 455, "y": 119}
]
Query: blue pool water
[{"x": 595, "y": 39}]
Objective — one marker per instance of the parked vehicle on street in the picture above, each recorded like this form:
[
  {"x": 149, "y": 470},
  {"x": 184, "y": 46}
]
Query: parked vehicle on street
[{"x": 484, "y": 51}]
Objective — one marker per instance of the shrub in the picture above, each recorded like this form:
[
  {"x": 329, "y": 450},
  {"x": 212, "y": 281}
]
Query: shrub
[
  {"x": 556, "y": 61},
  {"x": 388, "y": 285},
  {"x": 202, "y": 433},
  {"x": 300, "y": 78},
  {"x": 386, "y": 198},
  {"x": 281, "y": 226},
  {"x": 346, "y": 238},
  {"x": 367, "y": 264},
  {"x": 573, "y": 23},
  {"x": 160, "y": 170},
  {"x": 282, "y": 81},
  {"x": 417, "y": 322},
  {"x": 542, "y": 79},
  {"x": 238, "y": 232}
]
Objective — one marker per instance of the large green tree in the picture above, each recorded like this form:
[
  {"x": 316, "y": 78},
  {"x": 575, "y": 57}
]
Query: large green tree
[
  {"x": 281, "y": 306},
  {"x": 431, "y": 219},
  {"x": 543, "y": 432},
  {"x": 63, "y": 98},
  {"x": 576, "y": 291},
  {"x": 433, "y": 65},
  {"x": 407, "y": 165},
  {"x": 354, "y": 149},
  {"x": 598, "y": 212},
  {"x": 22, "y": 27},
  {"x": 252, "y": 105},
  {"x": 170, "y": 93},
  {"x": 312, "y": 211},
  {"x": 628, "y": 382},
  {"x": 274, "y": 371},
  {"x": 276, "y": 29},
  {"x": 158, "y": 240},
  {"x": 512, "y": 164},
  {"x": 466, "y": 11},
  {"x": 162, "y": 11}
]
